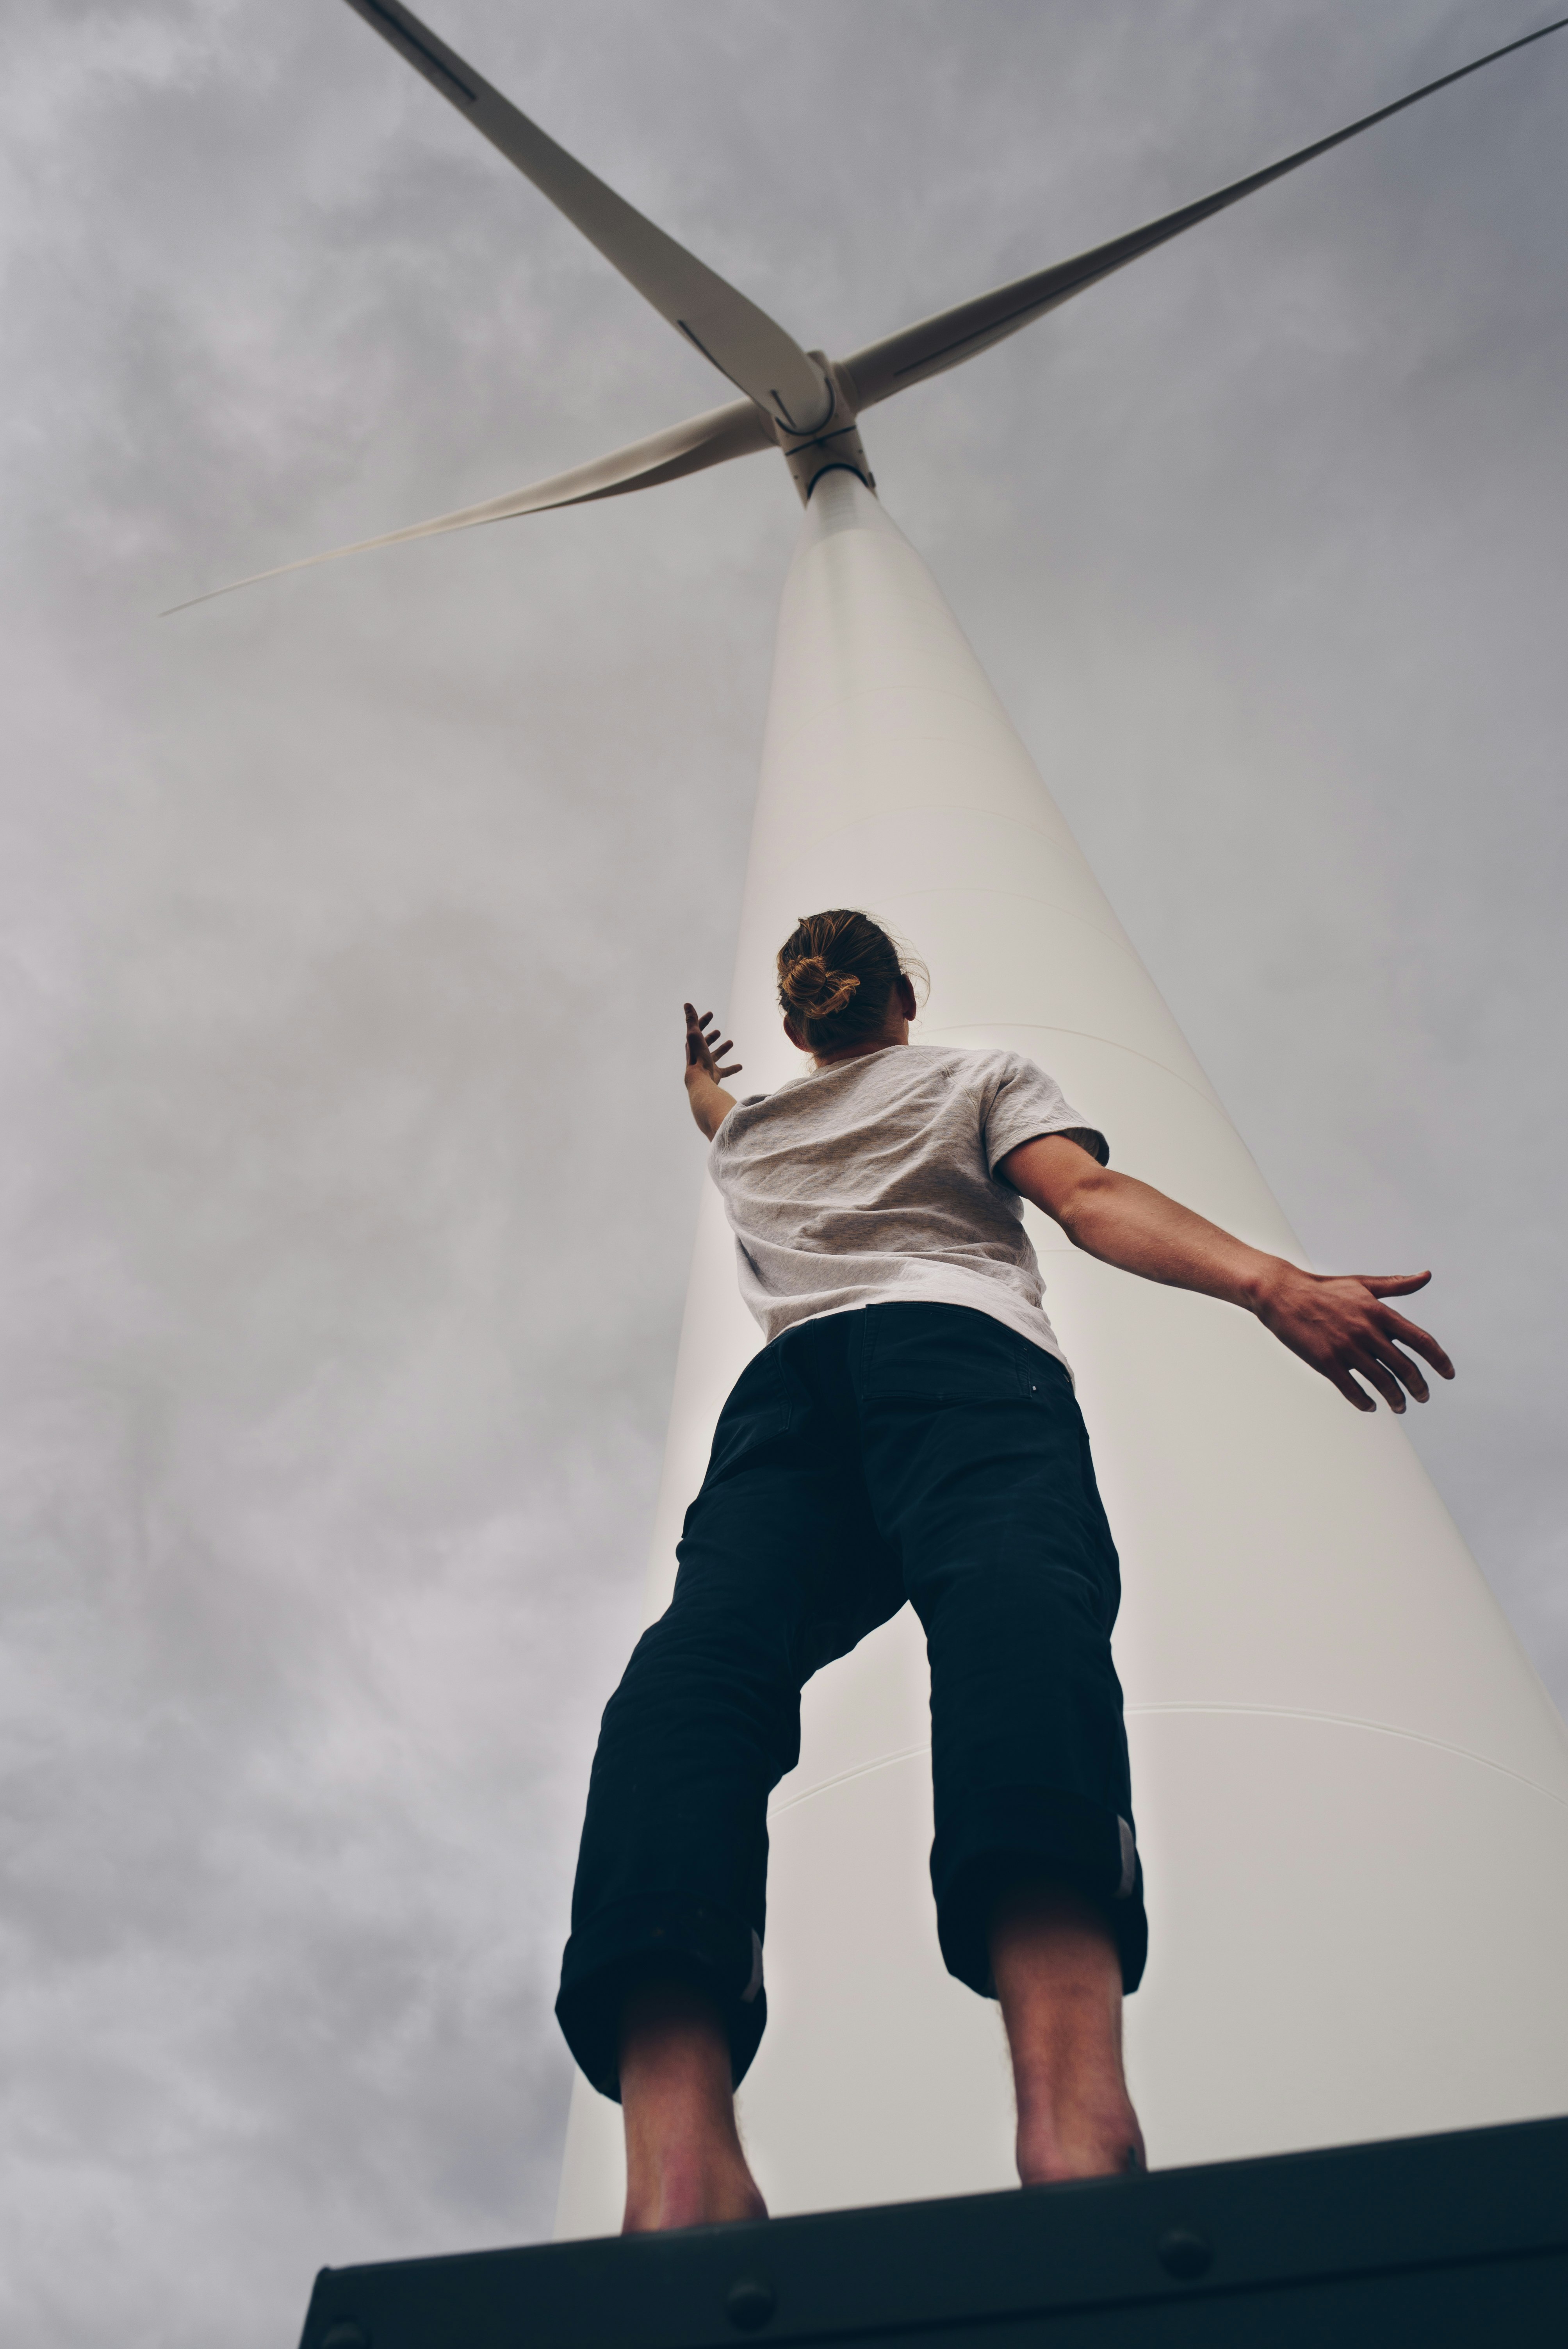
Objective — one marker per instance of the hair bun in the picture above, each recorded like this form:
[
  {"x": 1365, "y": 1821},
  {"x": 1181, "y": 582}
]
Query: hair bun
[
  {"x": 809, "y": 987},
  {"x": 837, "y": 976}
]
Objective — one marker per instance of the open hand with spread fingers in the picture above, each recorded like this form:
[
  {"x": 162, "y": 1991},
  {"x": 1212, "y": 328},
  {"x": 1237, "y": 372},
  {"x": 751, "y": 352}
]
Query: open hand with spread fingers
[
  {"x": 705, "y": 1071},
  {"x": 1340, "y": 1324},
  {"x": 703, "y": 1050}
]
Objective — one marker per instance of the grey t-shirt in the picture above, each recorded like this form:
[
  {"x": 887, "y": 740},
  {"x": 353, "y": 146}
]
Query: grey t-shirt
[{"x": 870, "y": 1182}]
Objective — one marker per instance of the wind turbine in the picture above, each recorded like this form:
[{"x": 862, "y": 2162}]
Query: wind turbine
[{"x": 1353, "y": 1791}]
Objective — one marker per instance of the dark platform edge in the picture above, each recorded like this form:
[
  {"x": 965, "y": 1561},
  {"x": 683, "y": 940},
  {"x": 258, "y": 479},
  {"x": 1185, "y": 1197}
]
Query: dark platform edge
[{"x": 1494, "y": 2195}]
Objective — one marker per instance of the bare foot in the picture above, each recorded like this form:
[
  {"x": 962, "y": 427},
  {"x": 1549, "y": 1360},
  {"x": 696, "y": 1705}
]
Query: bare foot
[
  {"x": 684, "y": 2166},
  {"x": 1059, "y": 1978}
]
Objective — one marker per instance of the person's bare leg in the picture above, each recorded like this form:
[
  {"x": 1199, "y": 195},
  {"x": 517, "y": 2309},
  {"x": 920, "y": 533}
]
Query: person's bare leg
[
  {"x": 1059, "y": 1978},
  {"x": 684, "y": 2166}
]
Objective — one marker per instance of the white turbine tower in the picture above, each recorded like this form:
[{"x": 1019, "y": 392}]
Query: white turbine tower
[{"x": 1353, "y": 1791}]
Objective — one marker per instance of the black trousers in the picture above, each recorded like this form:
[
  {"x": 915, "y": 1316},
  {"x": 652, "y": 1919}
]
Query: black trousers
[{"x": 898, "y": 1451}]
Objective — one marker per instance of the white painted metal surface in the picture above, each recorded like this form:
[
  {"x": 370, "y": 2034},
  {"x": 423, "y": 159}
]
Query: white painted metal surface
[{"x": 1352, "y": 1792}]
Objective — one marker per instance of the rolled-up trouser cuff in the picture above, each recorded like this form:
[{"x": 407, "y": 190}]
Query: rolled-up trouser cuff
[
  {"x": 1014, "y": 1832},
  {"x": 632, "y": 1941}
]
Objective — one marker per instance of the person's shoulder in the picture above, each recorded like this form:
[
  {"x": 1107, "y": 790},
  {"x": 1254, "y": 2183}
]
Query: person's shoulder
[
  {"x": 736, "y": 1120},
  {"x": 911, "y": 1066},
  {"x": 993, "y": 1064},
  {"x": 972, "y": 1074},
  {"x": 750, "y": 1107},
  {"x": 926, "y": 1057}
]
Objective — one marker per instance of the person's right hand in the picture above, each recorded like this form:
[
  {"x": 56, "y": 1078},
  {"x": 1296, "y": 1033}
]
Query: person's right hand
[
  {"x": 1340, "y": 1323},
  {"x": 1342, "y": 1326},
  {"x": 704, "y": 1053}
]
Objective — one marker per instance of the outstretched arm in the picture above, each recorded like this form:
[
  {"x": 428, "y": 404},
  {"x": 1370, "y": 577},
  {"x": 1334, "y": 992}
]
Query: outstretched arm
[
  {"x": 1338, "y": 1324},
  {"x": 711, "y": 1104}
]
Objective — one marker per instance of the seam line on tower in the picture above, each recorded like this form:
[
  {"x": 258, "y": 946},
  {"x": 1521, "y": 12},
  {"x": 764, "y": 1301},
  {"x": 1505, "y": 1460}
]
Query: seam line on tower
[
  {"x": 1355, "y": 1721},
  {"x": 1047, "y": 1028},
  {"x": 1257, "y": 1712}
]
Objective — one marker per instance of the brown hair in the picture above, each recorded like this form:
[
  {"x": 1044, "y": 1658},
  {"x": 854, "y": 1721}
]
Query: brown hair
[{"x": 836, "y": 974}]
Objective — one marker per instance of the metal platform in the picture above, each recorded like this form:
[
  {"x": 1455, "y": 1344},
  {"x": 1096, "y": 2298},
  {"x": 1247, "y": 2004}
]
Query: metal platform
[{"x": 1435, "y": 2243}]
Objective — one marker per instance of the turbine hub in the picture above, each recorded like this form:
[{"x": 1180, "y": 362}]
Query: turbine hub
[{"x": 836, "y": 444}]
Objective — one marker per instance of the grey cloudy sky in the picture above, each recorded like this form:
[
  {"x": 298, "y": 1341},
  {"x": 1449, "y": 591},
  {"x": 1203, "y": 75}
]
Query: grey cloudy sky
[{"x": 349, "y": 1192}]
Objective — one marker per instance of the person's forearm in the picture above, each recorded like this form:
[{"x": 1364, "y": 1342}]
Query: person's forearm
[
  {"x": 711, "y": 1104},
  {"x": 1128, "y": 1223}
]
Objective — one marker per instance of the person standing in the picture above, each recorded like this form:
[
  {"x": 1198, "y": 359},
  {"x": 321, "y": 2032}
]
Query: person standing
[{"x": 909, "y": 1432}]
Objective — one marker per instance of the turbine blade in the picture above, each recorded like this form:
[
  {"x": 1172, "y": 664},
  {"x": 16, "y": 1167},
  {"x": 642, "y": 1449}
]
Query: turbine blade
[
  {"x": 741, "y": 341},
  {"x": 945, "y": 341},
  {"x": 714, "y": 439}
]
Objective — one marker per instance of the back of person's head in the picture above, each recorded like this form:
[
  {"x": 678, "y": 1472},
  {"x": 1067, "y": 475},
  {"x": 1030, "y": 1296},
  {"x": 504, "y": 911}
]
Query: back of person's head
[{"x": 837, "y": 973}]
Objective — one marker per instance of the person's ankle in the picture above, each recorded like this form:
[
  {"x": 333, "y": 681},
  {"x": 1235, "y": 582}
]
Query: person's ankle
[
  {"x": 684, "y": 2166},
  {"x": 691, "y": 2193},
  {"x": 1102, "y": 2140}
]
